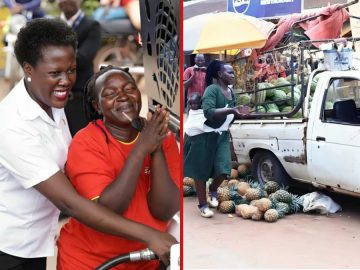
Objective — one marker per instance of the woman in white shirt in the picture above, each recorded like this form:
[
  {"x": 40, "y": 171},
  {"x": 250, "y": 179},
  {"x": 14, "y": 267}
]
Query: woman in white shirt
[{"x": 33, "y": 148}]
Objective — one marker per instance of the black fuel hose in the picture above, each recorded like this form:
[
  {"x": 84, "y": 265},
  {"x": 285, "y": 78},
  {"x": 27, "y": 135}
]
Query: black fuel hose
[{"x": 141, "y": 255}]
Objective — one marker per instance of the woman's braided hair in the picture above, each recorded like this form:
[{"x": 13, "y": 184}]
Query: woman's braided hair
[{"x": 90, "y": 92}]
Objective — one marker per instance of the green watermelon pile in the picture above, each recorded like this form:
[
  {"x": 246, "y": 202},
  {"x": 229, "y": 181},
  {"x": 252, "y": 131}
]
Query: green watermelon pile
[{"x": 277, "y": 99}]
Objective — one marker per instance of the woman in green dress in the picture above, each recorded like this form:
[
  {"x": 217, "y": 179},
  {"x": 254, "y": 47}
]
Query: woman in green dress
[{"x": 207, "y": 155}]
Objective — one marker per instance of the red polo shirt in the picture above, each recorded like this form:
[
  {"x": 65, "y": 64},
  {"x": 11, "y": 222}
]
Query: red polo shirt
[
  {"x": 92, "y": 165},
  {"x": 198, "y": 84}
]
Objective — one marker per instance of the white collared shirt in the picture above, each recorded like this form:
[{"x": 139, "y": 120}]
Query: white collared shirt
[
  {"x": 33, "y": 147},
  {"x": 70, "y": 21}
]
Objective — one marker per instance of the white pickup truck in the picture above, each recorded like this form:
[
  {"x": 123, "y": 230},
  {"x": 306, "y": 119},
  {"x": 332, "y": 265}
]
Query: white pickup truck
[{"x": 321, "y": 148}]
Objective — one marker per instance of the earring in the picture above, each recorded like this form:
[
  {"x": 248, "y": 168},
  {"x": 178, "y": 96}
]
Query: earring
[{"x": 28, "y": 79}]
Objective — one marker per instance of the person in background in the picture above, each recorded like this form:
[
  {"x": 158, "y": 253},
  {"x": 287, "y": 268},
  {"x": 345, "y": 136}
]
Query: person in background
[
  {"x": 194, "y": 77},
  {"x": 195, "y": 123},
  {"x": 119, "y": 9},
  {"x": 284, "y": 67},
  {"x": 33, "y": 150},
  {"x": 132, "y": 9},
  {"x": 207, "y": 155},
  {"x": 132, "y": 170},
  {"x": 30, "y": 8},
  {"x": 88, "y": 34}
]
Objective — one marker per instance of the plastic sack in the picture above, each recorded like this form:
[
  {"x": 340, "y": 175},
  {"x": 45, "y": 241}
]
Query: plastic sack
[
  {"x": 320, "y": 203},
  {"x": 338, "y": 60}
]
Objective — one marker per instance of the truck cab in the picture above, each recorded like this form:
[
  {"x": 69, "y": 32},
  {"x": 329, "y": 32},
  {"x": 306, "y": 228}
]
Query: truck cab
[{"x": 319, "y": 148}]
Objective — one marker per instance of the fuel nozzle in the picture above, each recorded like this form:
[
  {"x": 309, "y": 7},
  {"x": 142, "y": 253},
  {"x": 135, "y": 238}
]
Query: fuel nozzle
[
  {"x": 142, "y": 255},
  {"x": 135, "y": 123}
]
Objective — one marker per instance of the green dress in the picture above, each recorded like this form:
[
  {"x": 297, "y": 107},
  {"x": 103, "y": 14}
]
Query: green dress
[{"x": 207, "y": 155}]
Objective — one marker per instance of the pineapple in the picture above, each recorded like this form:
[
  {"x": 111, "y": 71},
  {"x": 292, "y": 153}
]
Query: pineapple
[
  {"x": 282, "y": 196},
  {"x": 295, "y": 204},
  {"x": 233, "y": 183},
  {"x": 271, "y": 215},
  {"x": 242, "y": 188},
  {"x": 245, "y": 211},
  {"x": 271, "y": 196},
  {"x": 271, "y": 187},
  {"x": 258, "y": 215},
  {"x": 243, "y": 169},
  {"x": 224, "y": 183},
  {"x": 240, "y": 200},
  {"x": 223, "y": 194},
  {"x": 187, "y": 181},
  {"x": 252, "y": 194},
  {"x": 263, "y": 204},
  {"x": 227, "y": 207},
  {"x": 284, "y": 206},
  {"x": 234, "y": 173},
  {"x": 188, "y": 191},
  {"x": 255, "y": 194},
  {"x": 254, "y": 202}
]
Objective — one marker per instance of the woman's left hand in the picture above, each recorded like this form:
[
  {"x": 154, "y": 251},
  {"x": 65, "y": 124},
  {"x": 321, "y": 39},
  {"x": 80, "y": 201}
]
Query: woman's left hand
[{"x": 241, "y": 111}]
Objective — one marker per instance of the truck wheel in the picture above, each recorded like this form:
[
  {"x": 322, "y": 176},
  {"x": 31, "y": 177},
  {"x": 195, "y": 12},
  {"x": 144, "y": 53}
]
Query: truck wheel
[{"x": 266, "y": 167}]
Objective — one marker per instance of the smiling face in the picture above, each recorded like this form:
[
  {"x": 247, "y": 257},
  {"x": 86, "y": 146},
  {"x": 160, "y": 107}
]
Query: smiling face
[
  {"x": 117, "y": 94},
  {"x": 52, "y": 77}
]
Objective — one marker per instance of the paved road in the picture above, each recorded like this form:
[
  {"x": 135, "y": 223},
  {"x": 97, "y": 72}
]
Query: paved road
[{"x": 296, "y": 241}]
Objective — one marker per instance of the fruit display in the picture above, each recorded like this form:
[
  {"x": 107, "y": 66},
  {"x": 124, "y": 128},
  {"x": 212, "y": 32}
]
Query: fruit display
[
  {"x": 275, "y": 96},
  {"x": 250, "y": 200}
]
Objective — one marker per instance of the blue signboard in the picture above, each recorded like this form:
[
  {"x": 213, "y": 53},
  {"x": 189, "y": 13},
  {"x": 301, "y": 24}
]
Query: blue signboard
[{"x": 265, "y": 8}]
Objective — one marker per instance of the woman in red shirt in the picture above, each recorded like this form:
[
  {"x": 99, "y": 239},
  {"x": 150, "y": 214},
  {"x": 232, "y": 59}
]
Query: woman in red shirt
[{"x": 133, "y": 171}]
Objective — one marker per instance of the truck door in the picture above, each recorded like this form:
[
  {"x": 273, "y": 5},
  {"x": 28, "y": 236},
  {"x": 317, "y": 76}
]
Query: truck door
[{"x": 335, "y": 140}]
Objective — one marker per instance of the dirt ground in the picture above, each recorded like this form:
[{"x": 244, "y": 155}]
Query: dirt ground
[{"x": 296, "y": 241}]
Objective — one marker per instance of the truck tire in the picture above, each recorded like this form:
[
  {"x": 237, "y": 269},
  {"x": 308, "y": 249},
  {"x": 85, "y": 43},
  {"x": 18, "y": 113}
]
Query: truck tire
[{"x": 266, "y": 167}]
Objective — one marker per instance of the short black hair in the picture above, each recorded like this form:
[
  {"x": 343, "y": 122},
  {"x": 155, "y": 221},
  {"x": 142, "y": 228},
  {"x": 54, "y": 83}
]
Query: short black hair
[
  {"x": 212, "y": 71},
  {"x": 90, "y": 93},
  {"x": 40, "y": 33}
]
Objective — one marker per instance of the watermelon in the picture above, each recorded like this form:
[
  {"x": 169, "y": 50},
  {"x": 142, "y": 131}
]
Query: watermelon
[
  {"x": 271, "y": 107},
  {"x": 286, "y": 109},
  {"x": 298, "y": 114},
  {"x": 283, "y": 81},
  {"x": 279, "y": 97},
  {"x": 261, "y": 109},
  {"x": 313, "y": 86},
  {"x": 270, "y": 92},
  {"x": 261, "y": 95},
  {"x": 297, "y": 89},
  {"x": 243, "y": 99},
  {"x": 296, "y": 98}
]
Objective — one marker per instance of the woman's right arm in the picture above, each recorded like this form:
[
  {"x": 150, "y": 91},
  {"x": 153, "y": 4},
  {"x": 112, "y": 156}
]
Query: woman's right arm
[
  {"x": 61, "y": 193},
  {"x": 213, "y": 113}
]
